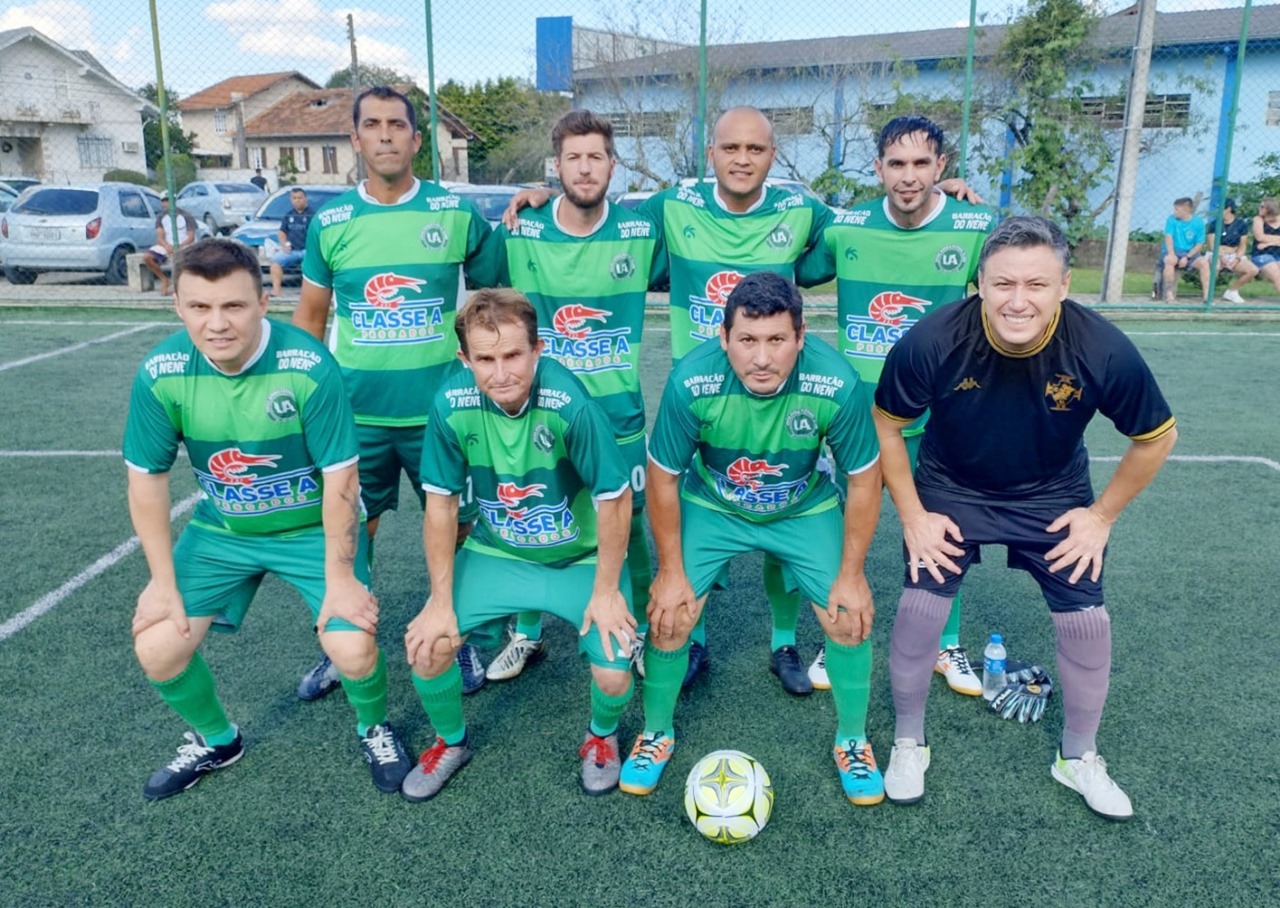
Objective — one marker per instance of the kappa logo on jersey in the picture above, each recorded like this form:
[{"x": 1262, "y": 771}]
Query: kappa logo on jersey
[
  {"x": 511, "y": 495},
  {"x": 571, "y": 321},
  {"x": 707, "y": 311},
  {"x": 528, "y": 527},
  {"x": 871, "y": 336},
  {"x": 583, "y": 347},
  {"x": 231, "y": 465},
  {"x": 742, "y": 483},
  {"x": 386, "y": 316}
]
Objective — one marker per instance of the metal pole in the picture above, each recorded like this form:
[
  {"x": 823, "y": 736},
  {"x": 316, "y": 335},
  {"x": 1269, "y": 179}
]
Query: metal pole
[
  {"x": 433, "y": 117},
  {"x": 1221, "y": 193},
  {"x": 700, "y": 153},
  {"x": 1127, "y": 176},
  {"x": 171, "y": 184},
  {"x": 968, "y": 92},
  {"x": 355, "y": 85}
]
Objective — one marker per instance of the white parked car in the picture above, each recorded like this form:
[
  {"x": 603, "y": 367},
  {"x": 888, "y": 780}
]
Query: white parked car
[{"x": 222, "y": 205}]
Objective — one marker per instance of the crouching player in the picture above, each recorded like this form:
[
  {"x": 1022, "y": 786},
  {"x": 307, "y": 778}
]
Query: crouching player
[
  {"x": 521, "y": 432},
  {"x": 743, "y": 422},
  {"x": 262, "y": 412}
]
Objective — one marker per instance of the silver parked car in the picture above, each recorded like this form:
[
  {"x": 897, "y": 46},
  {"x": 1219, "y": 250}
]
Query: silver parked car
[
  {"x": 491, "y": 199},
  {"x": 82, "y": 227},
  {"x": 220, "y": 204}
]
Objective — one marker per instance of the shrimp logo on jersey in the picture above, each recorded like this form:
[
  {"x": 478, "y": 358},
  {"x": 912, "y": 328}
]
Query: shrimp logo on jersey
[
  {"x": 236, "y": 488},
  {"x": 888, "y": 318},
  {"x": 584, "y": 347},
  {"x": 389, "y": 314},
  {"x": 742, "y": 483},
  {"x": 1062, "y": 392},
  {"x": 520, "y": 520},
  {"x": 231, "y": 465},
  {"x": 707, "y": 311}
]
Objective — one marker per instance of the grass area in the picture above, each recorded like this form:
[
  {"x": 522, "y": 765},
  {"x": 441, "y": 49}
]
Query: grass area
[{"x": 1191, "y": 579}]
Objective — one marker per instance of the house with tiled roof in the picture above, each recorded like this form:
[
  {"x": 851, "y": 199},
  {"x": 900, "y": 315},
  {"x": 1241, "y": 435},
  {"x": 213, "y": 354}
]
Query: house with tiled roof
[{"x": 215, "y": 113}]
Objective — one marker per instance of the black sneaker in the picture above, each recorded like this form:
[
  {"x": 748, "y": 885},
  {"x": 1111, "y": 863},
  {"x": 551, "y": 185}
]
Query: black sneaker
[
  {"x": 785, "y": 663},
  {"x": 320, "y": 681},
  {"x": 472, "y": 668},
  {"x": 388, "y": 761},
  {"x": 194, "y": 761},
  {"x": 699, "y": 662}
]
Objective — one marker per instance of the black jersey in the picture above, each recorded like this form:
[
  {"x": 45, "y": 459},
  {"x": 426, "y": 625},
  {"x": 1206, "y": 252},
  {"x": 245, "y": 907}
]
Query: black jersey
[{"x": 1009, "y": 427}]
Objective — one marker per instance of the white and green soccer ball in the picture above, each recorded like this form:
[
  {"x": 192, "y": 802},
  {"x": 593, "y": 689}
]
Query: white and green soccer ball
[{"x": 728, "y": 797}]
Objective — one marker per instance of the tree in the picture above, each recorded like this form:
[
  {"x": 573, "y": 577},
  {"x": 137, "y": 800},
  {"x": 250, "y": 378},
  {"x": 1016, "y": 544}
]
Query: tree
[
  {"x": 513, "y": 121},
  {"x": 369, "y": 75},
  {"x": 153, "y": 145}
]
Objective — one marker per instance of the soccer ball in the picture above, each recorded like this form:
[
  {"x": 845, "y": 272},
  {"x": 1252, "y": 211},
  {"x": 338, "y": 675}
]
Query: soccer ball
[{"x": 728, "y": 797}]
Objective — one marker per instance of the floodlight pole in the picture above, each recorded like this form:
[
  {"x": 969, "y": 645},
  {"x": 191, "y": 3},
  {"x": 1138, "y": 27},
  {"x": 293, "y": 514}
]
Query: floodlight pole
[
  {"x": 1221, "y": 188},
  {"x": 699, "y": 151},
  {"x": 968, "y": 92},
  {"x": 171, "y": 184},
  {"x": 433, "y": 117}
]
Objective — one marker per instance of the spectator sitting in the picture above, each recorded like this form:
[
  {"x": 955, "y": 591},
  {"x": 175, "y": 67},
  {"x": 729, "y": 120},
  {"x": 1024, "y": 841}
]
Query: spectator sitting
[
  {"x": 1234, "y": 256},
  {"x": 293, "y": 238},
  {"x": 156, "y": 257},
  {"x": 1266, "y": 241},
  {"x": 1183, "y": 248}
]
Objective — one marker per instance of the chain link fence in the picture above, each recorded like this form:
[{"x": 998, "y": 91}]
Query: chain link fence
[{"x": 1036, "y": 101}]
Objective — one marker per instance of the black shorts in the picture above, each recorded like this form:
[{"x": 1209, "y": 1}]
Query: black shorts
[{"x": 1022, "y": 529}]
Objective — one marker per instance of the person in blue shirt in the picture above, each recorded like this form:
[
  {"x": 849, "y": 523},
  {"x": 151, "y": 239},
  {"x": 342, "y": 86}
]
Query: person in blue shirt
[
  {"x": 292, "y": 238},
  {"x": 1183, "y": 248}
]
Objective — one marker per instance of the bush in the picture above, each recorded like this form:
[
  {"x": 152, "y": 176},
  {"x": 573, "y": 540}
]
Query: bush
[
  {"x": 126, "y": 176},
  {"x": 184, "y": 171}
]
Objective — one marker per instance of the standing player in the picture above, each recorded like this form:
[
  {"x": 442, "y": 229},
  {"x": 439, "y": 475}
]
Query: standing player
[
  {"x": 390, "y": 253},
  {"x": 555, "y": 505},
  {"x": 1032, "y": 368},
  {"x": 586, "y": 266},
  {"x": 268, "y": 429},
  {"x": 893, "y": 258},
  {"x": 734, "y": 468}
]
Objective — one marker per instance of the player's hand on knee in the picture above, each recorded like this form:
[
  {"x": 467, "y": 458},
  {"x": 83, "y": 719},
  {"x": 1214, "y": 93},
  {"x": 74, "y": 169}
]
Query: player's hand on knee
[
  {"x": 613, "y": 620},
  {"x": 926, "y": 538},
  {"x": 157, "y": 603},
  {"x": 432, "y": 633},
  {"x": 850, "y": 607},
  {"x": 1085, "y": 545},
  {"x": 348, "y": 600},
  {"x": 669, "y": 595}
]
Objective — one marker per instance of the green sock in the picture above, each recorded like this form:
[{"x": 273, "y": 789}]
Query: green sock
[
  {"x": 368, "y": 696},
  {"x": 849, "y": 668},
  {"x": 607, "y": 710},
  {"x": 663, "y": 675},
  {"x": 640, "y": 566},
  {"x": 784, "y": 605},
  {"x": 529, "y": 624},
  {"x": 442, "y": 699},
  {"x": 951, "y": 633},
  {"x": 193, "y": 696}
]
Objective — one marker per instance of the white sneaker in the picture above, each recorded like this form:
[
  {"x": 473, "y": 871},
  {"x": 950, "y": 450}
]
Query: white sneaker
[
  {"x": 1233, "y": 296},
  {"x": 818, "y": 670},
  {"x": 637, "y": 654},
  {"x": 1088, "y": 777},
  {"x": 953, "y": 664},
  {"x": 519, "y": 652},
  {"x": 904, "y": 780}
]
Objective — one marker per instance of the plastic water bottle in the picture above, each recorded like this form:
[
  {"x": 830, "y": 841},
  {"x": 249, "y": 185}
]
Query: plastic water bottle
[{"x": 993, "y": 662}]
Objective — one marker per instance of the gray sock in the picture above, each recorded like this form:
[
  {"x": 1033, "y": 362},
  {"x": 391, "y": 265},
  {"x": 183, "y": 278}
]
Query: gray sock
[
  {"x": 1084, "y": 669},
  {"x": 913, "y": 650}
]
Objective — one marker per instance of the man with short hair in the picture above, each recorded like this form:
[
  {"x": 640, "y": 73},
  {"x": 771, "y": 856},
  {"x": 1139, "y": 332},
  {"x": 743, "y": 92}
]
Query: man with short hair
[
  {"x": 555, "y": 507},
  {"x": 158, "y": 255},
  {"x": 1184, "y": 238},
  {"x": 733, "y": 468},
  {"x": 391, "y": 254},
  {"x": 260, "y": 407},
  {"x": 258, "y": 179},
  {"x": 895, "y": 258},
  {"x": 292, "y": 237},
  {"x": 1031, "y": 367}
]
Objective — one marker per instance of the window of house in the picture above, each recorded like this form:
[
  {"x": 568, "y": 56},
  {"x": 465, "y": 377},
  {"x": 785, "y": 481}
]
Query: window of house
[
  {"x": 95, "y": 151},
  {"x": 790, "y": 121},
  {"x": 329, "y": 154},
  {"x": 1273, "y": 108},
  {"x": 258, "y": 157},
  {"x": 220, "y": 122},
  {"x": 643, "y": 123},
  {"x": 1161, "y": 112},
  {"x": 302, "y": 158}
]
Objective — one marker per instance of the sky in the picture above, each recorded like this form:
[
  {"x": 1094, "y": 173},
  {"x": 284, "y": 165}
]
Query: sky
[{"x": 203, "y": 43}]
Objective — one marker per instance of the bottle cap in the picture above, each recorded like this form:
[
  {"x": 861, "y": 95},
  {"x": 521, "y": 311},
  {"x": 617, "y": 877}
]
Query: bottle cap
[{"x": 997, "y": 638}]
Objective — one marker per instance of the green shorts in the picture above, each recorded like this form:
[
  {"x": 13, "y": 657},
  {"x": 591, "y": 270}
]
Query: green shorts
[
  {"x": 385, "y": 453},
  {"x": 808, "y": 547},
  {"x": 219, "y": 572},
  {"x": 635, "y": 453},
  {"x": 488, "y": 588}
]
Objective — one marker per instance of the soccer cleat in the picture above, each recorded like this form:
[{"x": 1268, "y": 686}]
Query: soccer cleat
[
  {"x": 601, "y": 763},
  {"x": 818, "y": 670},
  {"x": 194, "y": 761},
  {"x": 388, "y": 761},
  {"x": 435, "y": 767},
  {"x": 1233, "y": 296},
  {"x": 643, "y": 769},
  {"x": 859, "y": 776},
  {"x": 785, "y": 663},
  {"x": 637, "y": 653},
  {"x": 699, "y": 662},
  {"x": 322, "y": 680},
  {"x": 953, "y": 664},
  {"x": 519, "y": 653},
  {"x": 904, "y": 780},
  {"x": 468, "y": 659},
  {"x": 1088, "y": 777}
]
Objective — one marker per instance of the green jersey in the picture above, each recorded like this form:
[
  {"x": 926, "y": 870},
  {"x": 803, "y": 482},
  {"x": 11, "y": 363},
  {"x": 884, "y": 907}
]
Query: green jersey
[
  {"x": 888, "y": 276},
  {"x": 712, "y": 248},
  {"x": 757, "y": 457},
  {"x": 396, "y": 275},
  {"x": 589, "y": 292},
  {"x": 259, "y": 441},
  {"x": 534, "y": 475}
]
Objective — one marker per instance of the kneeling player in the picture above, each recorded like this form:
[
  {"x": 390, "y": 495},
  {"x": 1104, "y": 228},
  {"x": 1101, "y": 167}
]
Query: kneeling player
[
  {"x": 744, "y": 421},
  {"x": 555, "y": 509},
  {"x": 261, "y": 409}
]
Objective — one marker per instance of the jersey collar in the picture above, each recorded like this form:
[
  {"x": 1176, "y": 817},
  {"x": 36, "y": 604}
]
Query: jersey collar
[
  {"x": 1019, "y": 354},
  {"x": 939, "y": 203},
  {"x": 555, "y": 217},
  {"x": 253, "y": 360},
  {"x": 715, "y": 194},
  {"x": 413, "y": 190}
]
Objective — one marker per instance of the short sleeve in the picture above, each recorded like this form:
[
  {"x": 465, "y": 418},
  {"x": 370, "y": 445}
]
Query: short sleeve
[
  {"x": 150, "y": 437},
  {"x": 314, "y": 267},
  {"x": 676, "y": 431},
  {"x": 328, "y": 423},
  {"x": 444, "y": 468}
]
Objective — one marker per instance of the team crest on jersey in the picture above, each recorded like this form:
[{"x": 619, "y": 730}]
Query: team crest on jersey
[
  {"x": 622, "y": 267},
  {"x": 707, "y": 311},
  {"x": 543, "y": 438},
  {"x": 585, "y": 347},
  {"x": 950, "y": 258},
  {"x": 780, "y": 237},
  {"x": 233, "y": 480},
  {"x": 887, "y": 319},
  {"x": 387, "y": 315},
  {"x": 801, "y": 423},
  {"x": 1062, "y": 392},
  {"x": 742, "y": 484},
  {"x": 282, "y": 406},
  {"x": 433, "y": 236},
  {"x": 519, "y": 520}
]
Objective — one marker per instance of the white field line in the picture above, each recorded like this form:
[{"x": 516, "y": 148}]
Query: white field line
[
  {"x": 74, "y": 347},
  {"x": 1206, "y": 458},
  {"x": 47, "y": 602},
  {"x": 55, "y": 323},
  {"x": 182, "y": 452}
]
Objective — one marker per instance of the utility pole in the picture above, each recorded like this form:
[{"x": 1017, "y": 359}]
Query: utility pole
[{"x": 355, "y": 84}]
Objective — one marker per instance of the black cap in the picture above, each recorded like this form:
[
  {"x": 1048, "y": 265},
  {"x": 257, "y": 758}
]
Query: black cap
[{"x": 1229, "y": 203}]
